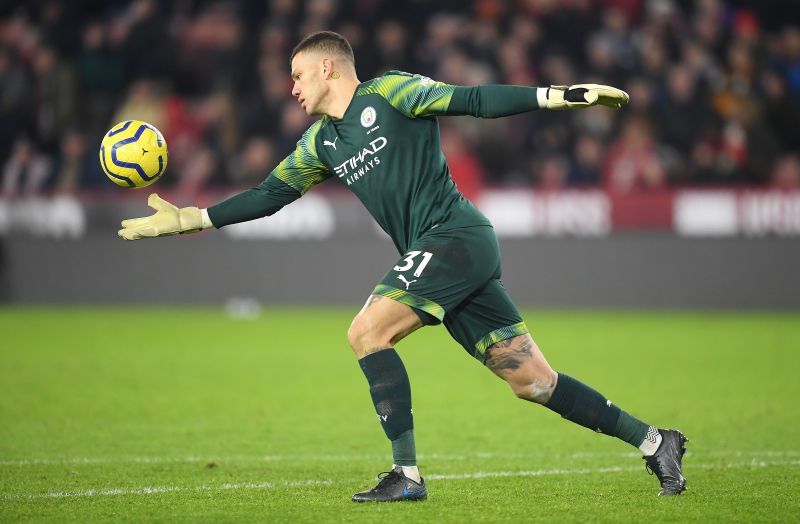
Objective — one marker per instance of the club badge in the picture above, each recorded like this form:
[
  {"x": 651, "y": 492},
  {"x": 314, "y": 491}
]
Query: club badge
[{"x": 368, "y": 116}]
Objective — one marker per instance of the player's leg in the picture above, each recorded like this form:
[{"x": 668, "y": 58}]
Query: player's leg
[
  {"x": 522, "y": 365},
  {"x": 488, "y": 325},
  {"x": 379, "y": 325},
  {"x": 438, "y": 271},
  {"x": 520, "y": 362}
]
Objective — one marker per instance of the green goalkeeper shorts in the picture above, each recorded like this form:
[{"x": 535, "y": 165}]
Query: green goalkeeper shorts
[{"x": 453, "y": 277}]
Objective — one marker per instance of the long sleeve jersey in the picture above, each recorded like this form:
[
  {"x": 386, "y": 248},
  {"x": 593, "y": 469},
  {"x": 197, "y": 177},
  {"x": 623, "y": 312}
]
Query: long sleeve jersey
[{"x": 386, "y": 150}]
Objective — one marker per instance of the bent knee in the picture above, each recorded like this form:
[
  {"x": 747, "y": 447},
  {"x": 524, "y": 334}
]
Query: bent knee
[
  {"x": 364, "y": 337},
  {"x": 380, "y": 324},
  {"x": 537, "y": 389},
  {"x": 357, "y": 334}
]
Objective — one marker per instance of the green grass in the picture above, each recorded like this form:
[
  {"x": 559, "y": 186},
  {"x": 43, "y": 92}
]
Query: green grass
[{"x": 188, "y": 414}]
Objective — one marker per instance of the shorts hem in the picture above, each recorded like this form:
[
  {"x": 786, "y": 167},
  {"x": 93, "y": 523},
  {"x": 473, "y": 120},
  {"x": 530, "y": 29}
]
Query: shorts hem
[
  {"x": 493, "y": 337},
  {"x": 410, "y": 299}
]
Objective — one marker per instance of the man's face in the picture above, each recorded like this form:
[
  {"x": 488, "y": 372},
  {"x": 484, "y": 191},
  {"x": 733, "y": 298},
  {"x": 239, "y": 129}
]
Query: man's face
[{"x": 310, "y": 87}]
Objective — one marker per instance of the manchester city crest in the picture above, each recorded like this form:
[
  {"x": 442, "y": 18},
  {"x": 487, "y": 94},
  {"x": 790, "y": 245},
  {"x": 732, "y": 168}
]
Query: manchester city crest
[{"x": 368, "y": 116}]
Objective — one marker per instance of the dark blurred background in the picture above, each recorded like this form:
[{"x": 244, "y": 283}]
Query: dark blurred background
[
  {"x": 715, "y": 86},
  {"x": 689, "y": 197}
]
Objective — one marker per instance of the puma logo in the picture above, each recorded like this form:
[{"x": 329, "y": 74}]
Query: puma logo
[
  {"x": 406, "y": 282},
  {"x": 332, "y": 144}
]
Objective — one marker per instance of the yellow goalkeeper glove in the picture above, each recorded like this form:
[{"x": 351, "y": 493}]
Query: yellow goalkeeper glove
[
  {"x": 167, "y": 220},
  {"x": 579, "y": 96}
]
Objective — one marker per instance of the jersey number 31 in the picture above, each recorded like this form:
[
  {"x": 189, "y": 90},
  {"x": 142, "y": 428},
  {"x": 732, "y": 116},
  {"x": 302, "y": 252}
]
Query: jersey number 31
[{"x": 408, "y": 262}]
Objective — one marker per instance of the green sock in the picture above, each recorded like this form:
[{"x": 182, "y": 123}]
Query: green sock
[
  {"x": 577, "y": 402},
  {"x": 630, "y": 429},
  {"x": 404, "y": 450},
  {"x": 391, "y": 394}
]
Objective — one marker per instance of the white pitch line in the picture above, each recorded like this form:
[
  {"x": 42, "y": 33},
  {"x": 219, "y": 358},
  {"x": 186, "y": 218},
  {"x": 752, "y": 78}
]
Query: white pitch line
[
  {"x": 151, "y": 490},
  {"x": 191, "y": 459},
  {"x": 613, "y": 469}
]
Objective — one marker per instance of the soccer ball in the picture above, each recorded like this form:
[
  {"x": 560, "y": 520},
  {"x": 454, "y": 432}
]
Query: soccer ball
[{"x": 133, "y": 154}]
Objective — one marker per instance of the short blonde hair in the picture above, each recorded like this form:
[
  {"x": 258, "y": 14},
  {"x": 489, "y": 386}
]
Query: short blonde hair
[{"x": 326, "y": 42}]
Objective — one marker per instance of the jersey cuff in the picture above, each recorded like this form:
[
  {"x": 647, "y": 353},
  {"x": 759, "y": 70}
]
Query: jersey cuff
[
  {"x": 205, "y": 219},
  {"x": 541, "y": 96}
]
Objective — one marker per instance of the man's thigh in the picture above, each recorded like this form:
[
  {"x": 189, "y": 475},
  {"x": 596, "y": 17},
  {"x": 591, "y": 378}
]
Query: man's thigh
[
  {"x": 484, "y": 318},
  {"x": 381, "y": 324}
]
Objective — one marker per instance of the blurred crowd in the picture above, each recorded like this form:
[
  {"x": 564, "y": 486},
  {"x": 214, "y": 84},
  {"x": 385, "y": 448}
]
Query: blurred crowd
[{"x": 714, "y": 85}]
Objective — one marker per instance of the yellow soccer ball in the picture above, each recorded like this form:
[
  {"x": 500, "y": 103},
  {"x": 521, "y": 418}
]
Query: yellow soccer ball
[{"x": 133, "y": 154}]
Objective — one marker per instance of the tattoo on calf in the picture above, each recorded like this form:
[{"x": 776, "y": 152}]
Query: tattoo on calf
[{"x": 503, "y": 356}]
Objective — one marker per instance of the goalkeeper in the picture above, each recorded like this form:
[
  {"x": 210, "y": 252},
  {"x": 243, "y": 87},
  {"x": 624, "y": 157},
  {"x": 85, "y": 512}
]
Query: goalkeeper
[{"x": 380, "y": 139}]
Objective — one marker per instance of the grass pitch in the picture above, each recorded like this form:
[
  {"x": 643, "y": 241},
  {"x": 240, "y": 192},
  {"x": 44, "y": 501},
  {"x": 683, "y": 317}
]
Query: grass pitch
[{"x": 188, "y": 414}]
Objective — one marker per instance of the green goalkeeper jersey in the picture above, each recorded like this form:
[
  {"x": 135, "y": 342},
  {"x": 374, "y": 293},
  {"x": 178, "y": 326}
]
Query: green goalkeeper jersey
[{"x": 386, "y": 150}]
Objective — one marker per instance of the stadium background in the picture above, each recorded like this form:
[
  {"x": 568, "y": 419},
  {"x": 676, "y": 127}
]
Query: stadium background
[{"x": 689, "y": 197}]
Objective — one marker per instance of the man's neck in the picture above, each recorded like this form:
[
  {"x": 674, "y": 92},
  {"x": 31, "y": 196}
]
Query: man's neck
[{"x": 341, "y": 97}]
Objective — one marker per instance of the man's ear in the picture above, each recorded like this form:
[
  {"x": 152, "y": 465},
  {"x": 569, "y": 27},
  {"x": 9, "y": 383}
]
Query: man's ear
[{"x": 327, "y": 67}]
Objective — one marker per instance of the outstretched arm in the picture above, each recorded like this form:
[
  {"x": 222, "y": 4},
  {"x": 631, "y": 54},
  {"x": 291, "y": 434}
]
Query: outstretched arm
[
  {"x": 492, "y": 101},
  {"x": 419, "y": 96},
  {"x": 295, "y": 175},
  {"x": 264, "y": 200}
]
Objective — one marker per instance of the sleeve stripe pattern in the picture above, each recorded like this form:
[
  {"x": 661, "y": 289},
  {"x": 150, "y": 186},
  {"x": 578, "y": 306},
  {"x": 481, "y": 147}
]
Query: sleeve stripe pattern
[
  {"x": 303, "y": 169},
  {"x": 409, "y": 299},
  {"x": 413, "y": 95}
]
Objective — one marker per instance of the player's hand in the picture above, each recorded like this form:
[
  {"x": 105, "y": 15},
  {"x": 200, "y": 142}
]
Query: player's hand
[
  {"x": 167, "y": 220},
  {"x": 579, "y": 96}
]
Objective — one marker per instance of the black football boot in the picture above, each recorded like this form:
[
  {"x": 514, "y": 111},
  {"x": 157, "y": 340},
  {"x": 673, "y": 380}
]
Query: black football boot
[
  {"x": 394, "y": 486},
  {"x": 665, "y": 463}
]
